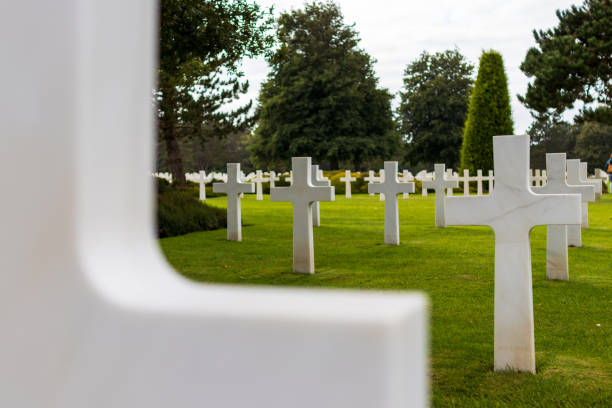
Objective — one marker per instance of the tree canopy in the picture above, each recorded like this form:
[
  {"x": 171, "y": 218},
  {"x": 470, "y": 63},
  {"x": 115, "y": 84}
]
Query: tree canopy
[
  {"x": 489, "y": 113},
  {"x": 572, "y": 61},
  {"x": 201, "y": 46},
  {"x": 321, "y": 98},
  {"x": 433, "y": 108},
  {"x": 594, "y": 144}
]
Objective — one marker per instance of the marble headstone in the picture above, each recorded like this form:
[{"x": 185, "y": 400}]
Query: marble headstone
[
  {"x": 557, "y": 265},
  {"x": 512, "y": 210},
  {"x": 233, "y": 188},
  {"x": 574, "y": 232},
  {"x": 259, "y": 179},
  {"x": 439, "y": 184},
  {"x": 347, "y": 183},
  {"x": 597, "y": 183},
  {"x": 391, "y": 187},
  {"x": 98, "y": 318},
  {"x": 317, "y": 180},
  {"x": 302, "y": 194}
]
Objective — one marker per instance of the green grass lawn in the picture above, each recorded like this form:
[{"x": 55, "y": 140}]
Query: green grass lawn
[{"x": 454, "y": 266}]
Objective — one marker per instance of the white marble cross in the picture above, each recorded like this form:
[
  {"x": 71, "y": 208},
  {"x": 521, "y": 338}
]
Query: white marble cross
[
  {"x": 381, "y": 179},
  {"x": 391, "y": 187},
  {"x": 536, "y": 179},
  {"x": 370, "y": 178},
  {"x": 405, "y": 178},
  {"x": 512, "y": 210},
  {"x": 450, "y": 176},
  {"x": 439, "y": 184},
  {"x": 466, "y": 182},
  {"x": 302, "y": 194},
  {"x": 109, "y": 323},
  {"x": 491, "y": 184},
  {"x": 233, "y": 188},
  {"x": 595, "y": 182},
  {"x": 479, "y": 179},
  {"x": 574, "y": 232},
  {"x": 259, "y": 179},
  {"x": 557, "y": 266},
  {"x": 317, "y": 180},
  {"x": 273, "y": 178},
  {"x": 347, "y": 183}
]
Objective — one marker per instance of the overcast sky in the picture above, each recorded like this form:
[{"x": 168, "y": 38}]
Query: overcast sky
[{"x": 395, "y": 32}]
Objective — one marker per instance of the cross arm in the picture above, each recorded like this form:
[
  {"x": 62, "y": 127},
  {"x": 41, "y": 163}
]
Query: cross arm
[
  {"x": 451, "y": 183},
  {"x": 407, "y": 187},
  {"x": 468, "y": 210},
  {"x": 281, "y": 194},
  {"x": 554, "y": 209},
  {"x": 321, "y": 194},
  {"x": 220, "y": 187},
  {"x": 587, "y": 192},
  {"x": 376, "y": 188},
  {"x": 246, "y": 188}
]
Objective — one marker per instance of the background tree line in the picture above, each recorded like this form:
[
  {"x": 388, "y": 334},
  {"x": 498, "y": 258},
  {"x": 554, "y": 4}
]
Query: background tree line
[{"x": 322, "y": 97}]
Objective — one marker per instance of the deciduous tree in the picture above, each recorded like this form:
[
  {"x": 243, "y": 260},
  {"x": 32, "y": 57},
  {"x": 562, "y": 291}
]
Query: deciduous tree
[
  {"x": 321, "y": 98},
  {"x": 433, "y": 108}
]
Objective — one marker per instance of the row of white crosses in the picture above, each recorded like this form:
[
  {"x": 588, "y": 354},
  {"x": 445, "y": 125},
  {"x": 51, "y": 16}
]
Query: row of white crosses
[
  {"x": 259, "y": 178},
  {"x": 511, "y": 209}
]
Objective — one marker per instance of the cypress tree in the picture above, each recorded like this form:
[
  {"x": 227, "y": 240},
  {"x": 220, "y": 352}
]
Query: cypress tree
[{"x": 489, "y": 113}]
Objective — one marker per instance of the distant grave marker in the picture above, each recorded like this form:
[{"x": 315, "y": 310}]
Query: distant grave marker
[
  {"x": 233, "y": 188},
  {"x": 557, "y": 266},
  {"x": 259, "y": 179},
  {"x": 302, "y": 194},
  {"x": 317, "y": 180},
  {"x": 439, "y": 184},
  {"x": 347, "y": 183},
  {"x": 391, "y": 187}
]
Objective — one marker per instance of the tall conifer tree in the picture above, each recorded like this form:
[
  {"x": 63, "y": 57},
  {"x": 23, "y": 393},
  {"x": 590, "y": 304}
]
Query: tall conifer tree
[{"x": 489, "y": 113}]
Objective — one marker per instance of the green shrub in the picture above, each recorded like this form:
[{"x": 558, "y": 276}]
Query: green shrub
[
  {"x": 179, "y": 211},
  {"x": 489, "y": 113}
]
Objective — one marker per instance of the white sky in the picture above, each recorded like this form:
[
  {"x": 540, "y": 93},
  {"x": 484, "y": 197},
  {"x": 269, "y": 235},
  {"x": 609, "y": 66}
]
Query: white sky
[{"x": 395, "y": 32}]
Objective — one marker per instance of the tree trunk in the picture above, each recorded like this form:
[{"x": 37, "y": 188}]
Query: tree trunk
[{"x": 168, "y": 129}]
